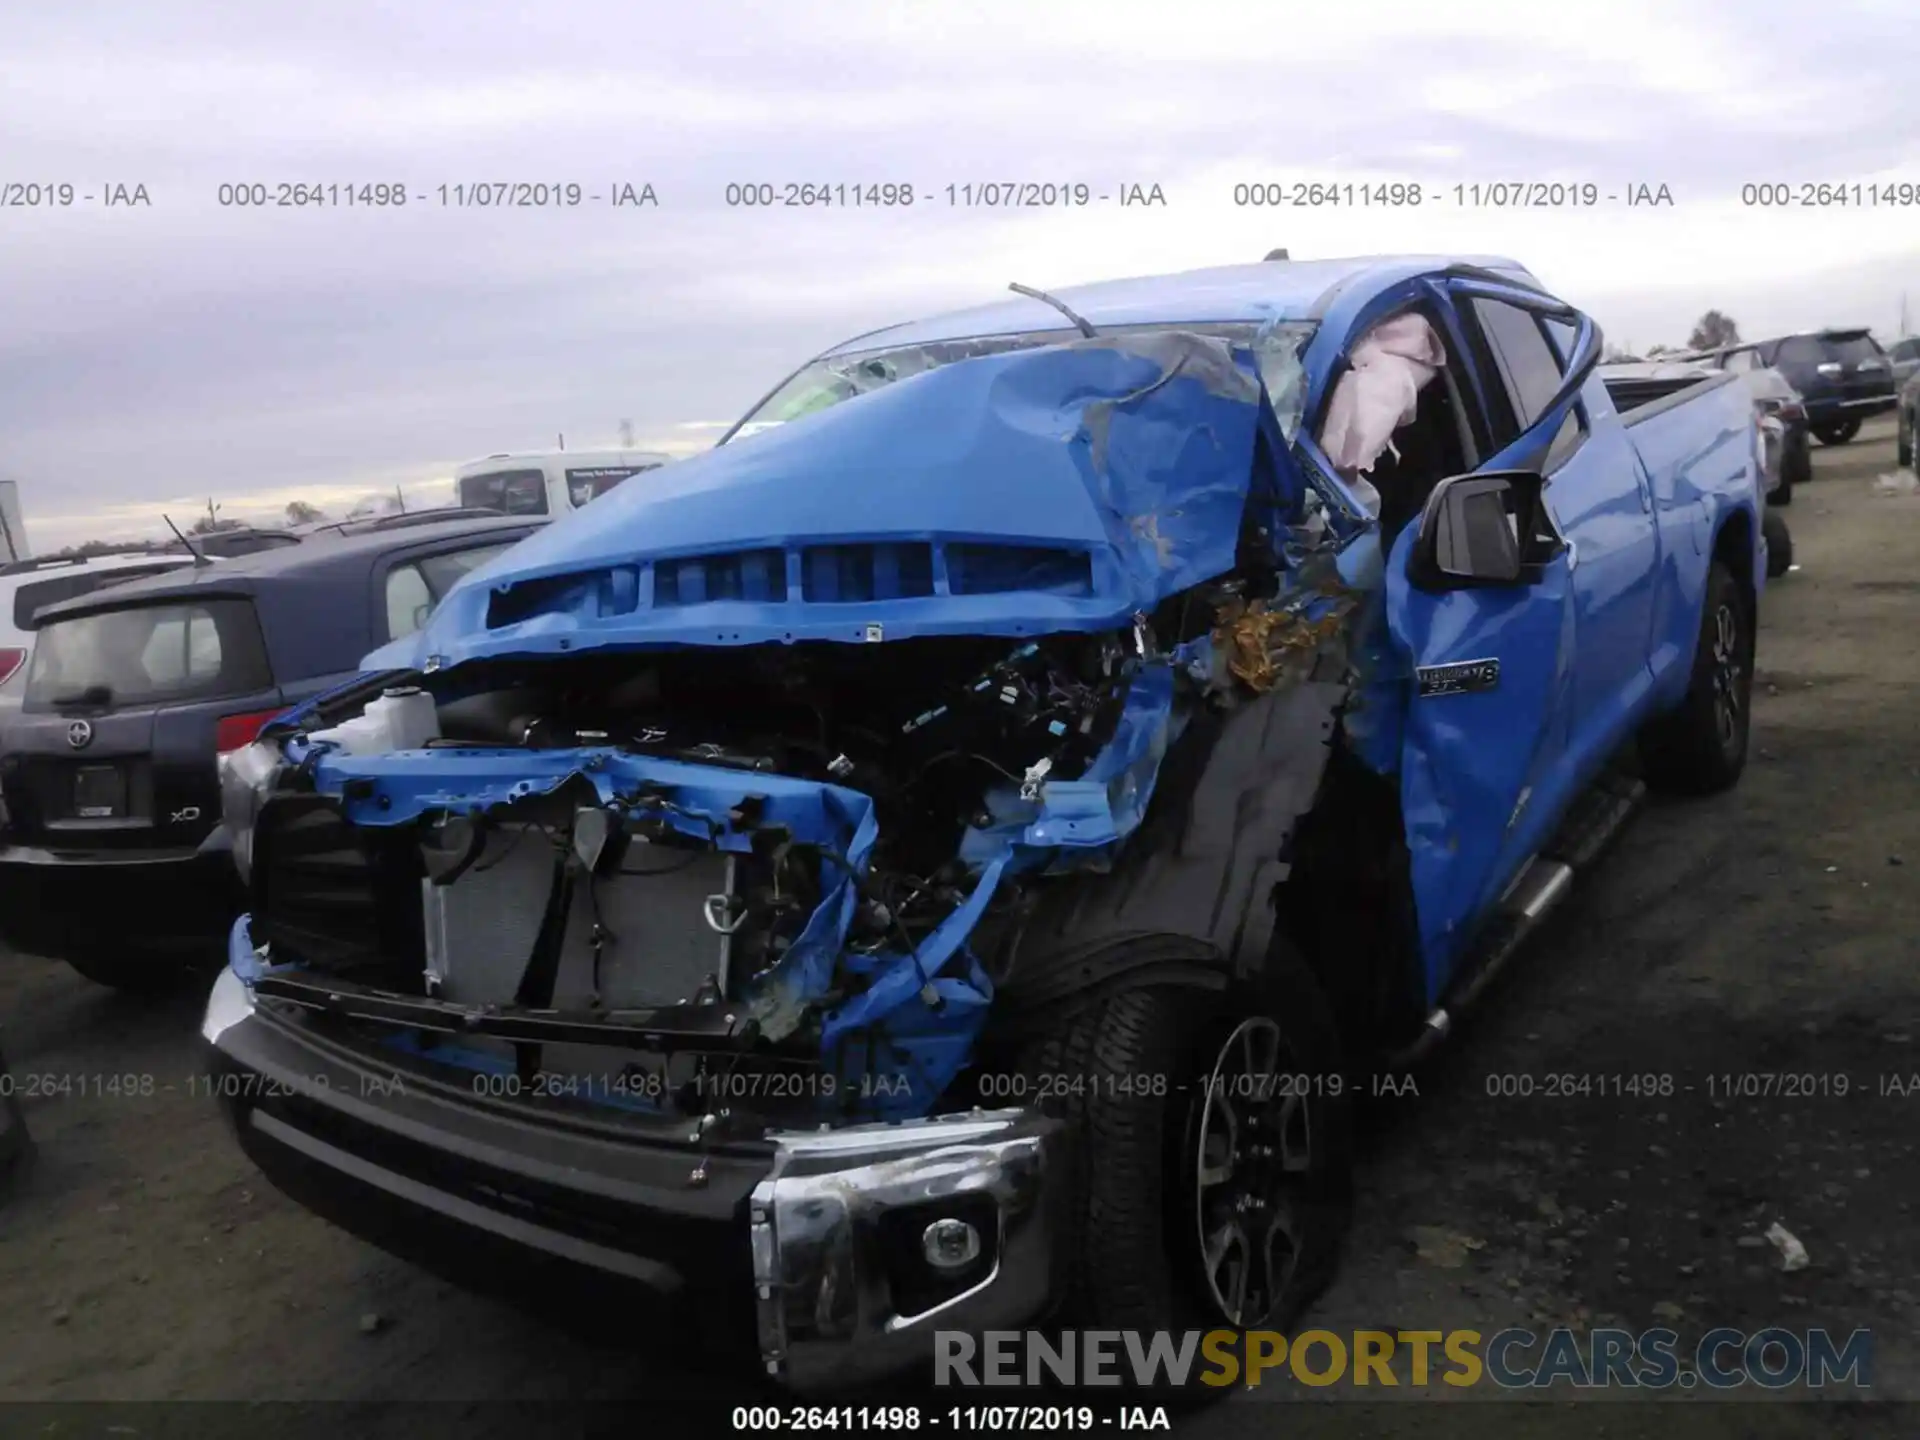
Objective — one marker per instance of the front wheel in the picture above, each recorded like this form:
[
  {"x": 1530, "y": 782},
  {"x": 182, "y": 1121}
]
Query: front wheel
[
  {"x": 1212, "y": 1174},
  {"x": 1700, "y": 748},
  {"x": 1838, "y": 432}
]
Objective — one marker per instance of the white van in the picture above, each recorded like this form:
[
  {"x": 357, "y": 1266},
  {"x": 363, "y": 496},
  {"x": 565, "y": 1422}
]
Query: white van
[{"x": 551, "y": 482}]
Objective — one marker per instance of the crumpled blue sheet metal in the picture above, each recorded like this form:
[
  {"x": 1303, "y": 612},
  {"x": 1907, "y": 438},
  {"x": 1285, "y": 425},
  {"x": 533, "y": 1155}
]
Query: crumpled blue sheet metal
[
  {"x": 1136, "y": 452},
  {"x": 910, "y": 1024}
]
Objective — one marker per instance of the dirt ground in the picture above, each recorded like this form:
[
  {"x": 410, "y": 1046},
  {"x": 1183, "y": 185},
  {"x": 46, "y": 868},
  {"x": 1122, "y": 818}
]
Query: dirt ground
[{"x": 1768, "y": 931}]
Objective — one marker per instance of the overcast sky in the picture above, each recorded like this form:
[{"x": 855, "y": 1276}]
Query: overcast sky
[{"x": 152, "y": 356}]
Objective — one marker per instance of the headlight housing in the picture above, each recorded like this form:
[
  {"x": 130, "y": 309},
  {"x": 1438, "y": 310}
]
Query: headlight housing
[{"x": 246, "y": 777}]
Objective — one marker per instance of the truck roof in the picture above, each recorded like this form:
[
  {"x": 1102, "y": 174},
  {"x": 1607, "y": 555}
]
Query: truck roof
[{"x": 1265, "y": 290}]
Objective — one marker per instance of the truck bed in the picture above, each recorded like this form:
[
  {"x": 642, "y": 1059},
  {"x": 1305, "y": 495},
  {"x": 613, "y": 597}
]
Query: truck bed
[{"x": 1643, "y": 391}]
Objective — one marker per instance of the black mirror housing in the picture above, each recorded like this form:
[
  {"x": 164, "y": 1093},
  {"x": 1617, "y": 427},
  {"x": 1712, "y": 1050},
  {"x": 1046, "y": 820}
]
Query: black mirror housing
[{"x": 1487, "y": 529}]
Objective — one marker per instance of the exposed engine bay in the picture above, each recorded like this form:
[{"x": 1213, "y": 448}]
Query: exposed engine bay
[{"x": 787, "y": 880}]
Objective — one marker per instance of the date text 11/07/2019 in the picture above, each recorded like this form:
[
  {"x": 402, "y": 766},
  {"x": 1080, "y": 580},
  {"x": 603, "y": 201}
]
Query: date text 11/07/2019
[
  {"x": 143, "y": 1085},
  {"x": 1468, "y": 195},
  {"x": 234, "y": 1085},
  {"x": 1053, "y": 1419},
  {"x": 465, "y": 195},
  {"x": 968, "y": 195}
]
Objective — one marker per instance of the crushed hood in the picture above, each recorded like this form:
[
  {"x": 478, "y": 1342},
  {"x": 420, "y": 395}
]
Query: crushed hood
[{"x": 1063, "y": 488}]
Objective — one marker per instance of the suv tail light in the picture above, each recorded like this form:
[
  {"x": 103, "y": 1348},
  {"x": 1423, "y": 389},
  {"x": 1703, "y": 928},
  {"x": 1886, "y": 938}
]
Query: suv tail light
[
  {"x": 11, "y": 659},
  {"x": 236, "y": 731},
  {"x": 1792, "y": 410}
]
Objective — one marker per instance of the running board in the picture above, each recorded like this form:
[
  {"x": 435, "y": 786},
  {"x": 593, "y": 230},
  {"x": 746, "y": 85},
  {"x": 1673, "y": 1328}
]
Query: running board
[{"x": 1595, "y": 819}]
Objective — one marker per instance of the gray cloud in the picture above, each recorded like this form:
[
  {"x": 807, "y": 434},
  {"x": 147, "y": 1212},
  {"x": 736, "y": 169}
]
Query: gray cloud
[{"x": 189, "y": 349}]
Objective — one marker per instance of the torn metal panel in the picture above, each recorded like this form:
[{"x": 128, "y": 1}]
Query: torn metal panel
[{"x": 1205, "y": 864}]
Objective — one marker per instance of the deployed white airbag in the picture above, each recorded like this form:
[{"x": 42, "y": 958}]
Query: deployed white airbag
[{"x": 1379, "y": 394}]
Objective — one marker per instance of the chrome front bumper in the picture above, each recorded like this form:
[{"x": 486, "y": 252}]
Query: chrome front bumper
[
  {"x": 839, "y": 1219},
  {"x": 828, "y": 1233}
]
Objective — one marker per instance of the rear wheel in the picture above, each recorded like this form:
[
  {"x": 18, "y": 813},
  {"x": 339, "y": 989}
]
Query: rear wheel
[
  {"x": 1701, "y": 747},
  {"x": 1211, "y": 1175},
  {"x": 1903, "y": 442},
  {"x": 1779, "y": 544},
  {"x": 1837, "y": 432}
]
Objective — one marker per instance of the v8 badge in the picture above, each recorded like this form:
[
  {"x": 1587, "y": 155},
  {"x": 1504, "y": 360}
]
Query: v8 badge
[{"x": 1463, "y": 677}]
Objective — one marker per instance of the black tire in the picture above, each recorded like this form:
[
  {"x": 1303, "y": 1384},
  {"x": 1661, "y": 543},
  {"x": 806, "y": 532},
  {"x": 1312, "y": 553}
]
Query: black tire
[
  {"x": 1782, "y": 494},
  {"x": 1837, "y": 432},
  {"x": 1779, "y": 544},
  {"x": 1139, "y": 1200},
  {"x": 1700, "y": 748},
  {"x": 130, "y": 970},
  {"x": 1903, "y": 443}
]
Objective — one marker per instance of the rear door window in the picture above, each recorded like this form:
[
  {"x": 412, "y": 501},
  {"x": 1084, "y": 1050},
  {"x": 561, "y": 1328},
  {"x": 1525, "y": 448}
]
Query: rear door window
[
  {"x": 203, "y": 649},
  {"x": 512, "y": 492},
  {"x": 1799, "y": 350},
  {"x": 415, "y": 586}
]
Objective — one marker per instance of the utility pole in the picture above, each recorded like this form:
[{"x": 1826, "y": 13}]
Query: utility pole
[
  {"x": 563, "y": 439},
  {"x": 626, "y": 434}
]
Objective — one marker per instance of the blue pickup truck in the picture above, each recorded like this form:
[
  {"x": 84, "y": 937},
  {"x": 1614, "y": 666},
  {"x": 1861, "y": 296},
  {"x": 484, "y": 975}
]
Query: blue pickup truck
[{"x": 947, "y": 858}]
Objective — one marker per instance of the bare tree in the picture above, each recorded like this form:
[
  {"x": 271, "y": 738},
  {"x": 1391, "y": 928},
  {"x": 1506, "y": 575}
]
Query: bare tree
[
  {"x": 1712, "y": 331},
  {"x": 299, "y": 512},
  {"x": 210, "y": 522}
]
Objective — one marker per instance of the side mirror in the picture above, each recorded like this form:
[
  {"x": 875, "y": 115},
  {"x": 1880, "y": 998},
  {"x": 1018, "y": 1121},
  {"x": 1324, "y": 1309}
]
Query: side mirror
[{"x": 1483, "y": 530}]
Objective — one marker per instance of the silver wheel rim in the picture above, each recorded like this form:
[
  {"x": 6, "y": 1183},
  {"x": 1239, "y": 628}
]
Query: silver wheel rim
[
  {"x": 1727, "y": 666},
  {"x": 1254, "y": 1133}
]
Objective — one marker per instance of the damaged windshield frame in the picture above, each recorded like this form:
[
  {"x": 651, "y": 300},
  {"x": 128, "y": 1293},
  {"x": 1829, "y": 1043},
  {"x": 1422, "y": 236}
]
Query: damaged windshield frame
[{"x": 820, "y": 384}]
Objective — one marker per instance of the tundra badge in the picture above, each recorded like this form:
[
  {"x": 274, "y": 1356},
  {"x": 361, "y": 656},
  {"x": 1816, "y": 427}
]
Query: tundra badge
[{"x": 1463, "y": 677}]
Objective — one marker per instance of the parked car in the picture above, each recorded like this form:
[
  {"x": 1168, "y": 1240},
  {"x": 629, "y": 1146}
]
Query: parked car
[
  {"x": 1909, "y": 423},
  {"x": 27, "y": 586},
  {"x": 1904, "y": 357},
  {"x": 551, "y": 482},
  {"x": 1843, "y": 377},
  {"x": 1774, "y": 395},
  {"x": 110, "y": 853},
  {"x": 940, "y": 862},
  {"x": 404, "y": 520}
]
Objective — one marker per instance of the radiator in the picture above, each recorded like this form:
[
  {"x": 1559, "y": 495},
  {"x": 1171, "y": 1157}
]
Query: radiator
[{"x": 658, "y": 948}]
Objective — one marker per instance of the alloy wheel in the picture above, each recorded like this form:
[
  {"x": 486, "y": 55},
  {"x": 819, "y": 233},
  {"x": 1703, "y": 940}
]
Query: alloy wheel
[
  {"x": 1728, "y": 664},
  {"x": 1253, "y": 1149}
]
